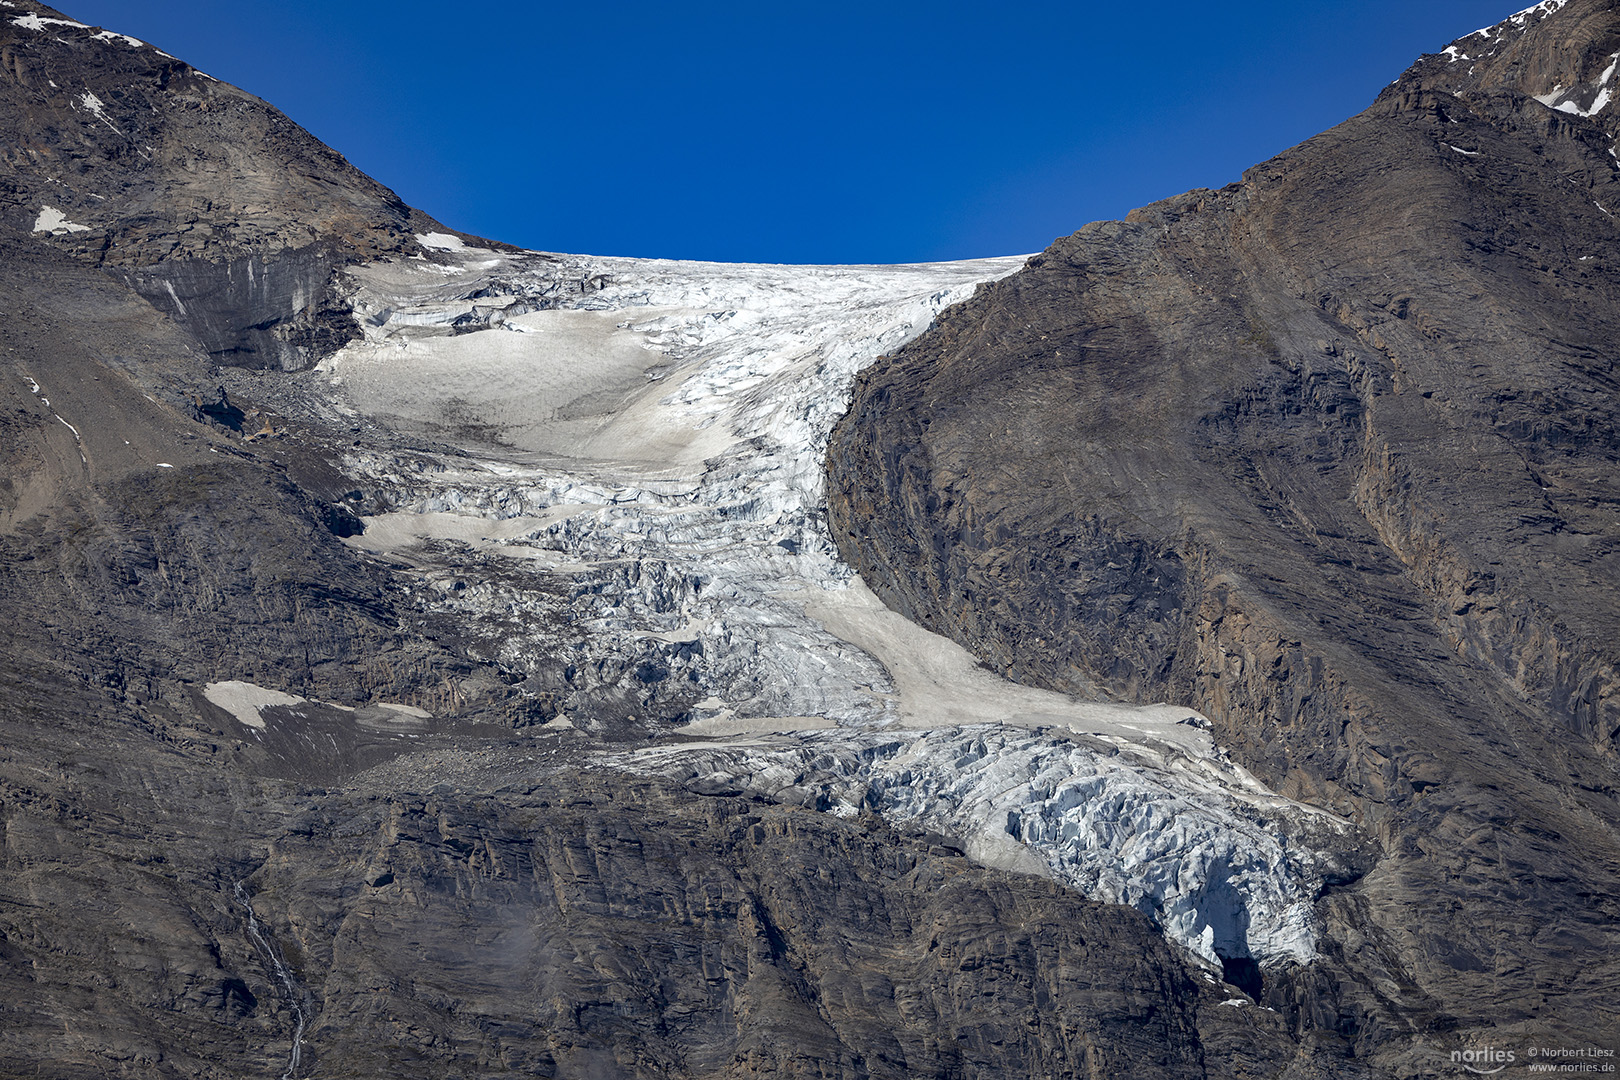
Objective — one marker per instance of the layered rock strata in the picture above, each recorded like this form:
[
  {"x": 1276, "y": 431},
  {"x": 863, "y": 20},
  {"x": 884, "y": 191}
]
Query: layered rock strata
[
  {"x": 210, "y": 203},
  {"x": 1329, "y": 455}
]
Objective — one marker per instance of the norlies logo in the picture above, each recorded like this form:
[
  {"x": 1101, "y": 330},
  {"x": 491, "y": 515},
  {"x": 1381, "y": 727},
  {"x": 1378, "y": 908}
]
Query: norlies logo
[{"x": 1485, "y": 1062}]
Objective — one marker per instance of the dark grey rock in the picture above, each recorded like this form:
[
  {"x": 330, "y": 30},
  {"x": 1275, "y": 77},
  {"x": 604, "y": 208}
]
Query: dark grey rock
[
  {"x": 1330, "y": 456},
  {"x": 206, "y": 200}
]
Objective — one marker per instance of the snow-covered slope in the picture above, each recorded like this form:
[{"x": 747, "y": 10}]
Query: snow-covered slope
[{"x": 644, "y": 464}]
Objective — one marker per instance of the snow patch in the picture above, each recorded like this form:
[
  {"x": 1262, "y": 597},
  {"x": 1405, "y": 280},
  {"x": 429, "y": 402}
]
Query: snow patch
[
  {"x": 1550, "y": 96},
  {"x": 1605, "y": 92},
  {"x": 95, "y": 107},
  {"x": 438, "y": 241},
  {"x": 1540, "y": 11},
  {"x": 180, "y": 307},
  {"x": 108, "y": 35},
  {"x": 407, "y": 710},
  {"x": 1520, "y": 19},
  {"x": 1560, "y": 97},
  {"x": 53, "y": 221},
  {"x": 39, "y": 22},
  {"x": 243, "y": 700}
]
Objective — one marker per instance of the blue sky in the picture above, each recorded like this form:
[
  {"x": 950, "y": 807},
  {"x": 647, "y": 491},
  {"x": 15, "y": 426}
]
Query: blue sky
[{"x": 829, "y": 132}]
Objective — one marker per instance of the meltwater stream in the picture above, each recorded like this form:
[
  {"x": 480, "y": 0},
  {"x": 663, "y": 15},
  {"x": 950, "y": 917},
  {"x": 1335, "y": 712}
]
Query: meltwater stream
[{"x": 289, "y": 985}]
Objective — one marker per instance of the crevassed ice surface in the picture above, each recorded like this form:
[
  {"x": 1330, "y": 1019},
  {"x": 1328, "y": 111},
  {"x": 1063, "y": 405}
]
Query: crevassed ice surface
[{"x": 662, "y": 426}]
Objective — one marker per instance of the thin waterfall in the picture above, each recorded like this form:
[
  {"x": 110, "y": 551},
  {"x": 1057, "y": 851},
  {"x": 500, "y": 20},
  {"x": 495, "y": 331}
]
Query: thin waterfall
[{"x": 289, "y": 986}]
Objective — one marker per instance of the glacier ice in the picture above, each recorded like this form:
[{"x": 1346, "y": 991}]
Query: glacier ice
[{"x": 640, "y": 458}]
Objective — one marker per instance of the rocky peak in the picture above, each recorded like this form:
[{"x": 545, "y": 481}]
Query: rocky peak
[
  {"x": 127, "y": 156},
  {"x": 1565, "y": 54},
  {"x": 212, "y": 204}
]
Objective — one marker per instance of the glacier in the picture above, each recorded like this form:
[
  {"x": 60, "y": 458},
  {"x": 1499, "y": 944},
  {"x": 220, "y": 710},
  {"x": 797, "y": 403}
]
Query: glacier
[{"x": 634, "y": 449}]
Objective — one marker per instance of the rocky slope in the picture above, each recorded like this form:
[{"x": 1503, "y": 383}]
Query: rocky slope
[
  {"x": 210, "y": 203},
  {"x": 432, "y": 659},
  {"x": 1329, "y": 455}
]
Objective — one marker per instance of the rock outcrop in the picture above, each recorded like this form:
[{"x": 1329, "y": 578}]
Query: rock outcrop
[
  {"x": 460, "y": 707},
  {"x": 1329, "y": 455},
  {"x": 210, "y": 203}
]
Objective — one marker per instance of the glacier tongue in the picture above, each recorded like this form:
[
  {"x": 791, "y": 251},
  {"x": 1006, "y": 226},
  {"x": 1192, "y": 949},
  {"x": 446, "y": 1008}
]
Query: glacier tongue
[
  {"x": 644, "y": 447},
  {"x": 1208, "y": 869}
]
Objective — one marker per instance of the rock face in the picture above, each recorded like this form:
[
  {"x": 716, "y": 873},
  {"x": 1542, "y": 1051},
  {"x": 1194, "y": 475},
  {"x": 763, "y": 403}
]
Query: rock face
[
  {"x": 1329, "y": 455},
  {"x": 429, "y": 659},
  {"x": 210, "y": 203}
]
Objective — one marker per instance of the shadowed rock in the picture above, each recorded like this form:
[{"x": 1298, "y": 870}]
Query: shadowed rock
[
  {"x": 1330, "y": 456},
  {"x": 209, "y": 202}
]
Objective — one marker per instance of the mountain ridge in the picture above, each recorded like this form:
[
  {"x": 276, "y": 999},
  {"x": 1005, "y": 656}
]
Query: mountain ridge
[
  {"x": 1324, "y": 455},
  {"x": 210, "y": 203},
  {"x": 567, "y": 745}
]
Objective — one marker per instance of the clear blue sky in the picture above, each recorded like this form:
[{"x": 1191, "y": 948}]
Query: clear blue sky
[{"x": 821, "y": 132}]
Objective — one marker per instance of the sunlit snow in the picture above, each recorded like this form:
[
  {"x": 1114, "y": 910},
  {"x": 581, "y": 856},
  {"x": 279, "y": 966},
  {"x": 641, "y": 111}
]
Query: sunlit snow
[
  {"x": 53, "y": 221},
  {"x": 438, "y": 241},
  {"x": 109, "y": 35},
  {"x": 244, "y": 700},
  {"x": 39, "y": 22},
  {"x": 1541, "y": 10},
  {"x": 1521, "y": 19},
  {"x": 1565, "y": 99}
]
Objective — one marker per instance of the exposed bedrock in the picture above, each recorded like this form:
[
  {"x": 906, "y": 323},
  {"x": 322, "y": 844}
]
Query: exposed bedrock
[
  {"x": 209, "y": 202},
  {"x": 563, "y": 924},
  {"x": 1329, "y": 455},
  {"x": 283, "y": 312}
]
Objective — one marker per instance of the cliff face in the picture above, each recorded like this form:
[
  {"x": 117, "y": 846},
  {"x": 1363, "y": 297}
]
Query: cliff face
[
  {"x": 593, "y": 926},
  {"x": 210, "y": 203},
  {"x": 1330, "y": 456},
  {"x": 337, "y": 892}
]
